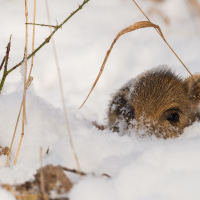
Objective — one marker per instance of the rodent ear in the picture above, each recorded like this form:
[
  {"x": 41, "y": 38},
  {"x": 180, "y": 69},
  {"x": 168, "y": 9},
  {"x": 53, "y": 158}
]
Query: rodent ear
[{"x": 193, "y": 90}]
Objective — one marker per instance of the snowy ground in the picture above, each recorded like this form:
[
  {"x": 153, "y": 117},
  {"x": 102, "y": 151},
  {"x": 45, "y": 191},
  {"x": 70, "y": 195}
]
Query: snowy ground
[{"x": 141, "y": 169}]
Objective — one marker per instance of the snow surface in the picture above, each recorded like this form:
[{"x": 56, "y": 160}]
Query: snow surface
[{"x": 141, "y": 169}]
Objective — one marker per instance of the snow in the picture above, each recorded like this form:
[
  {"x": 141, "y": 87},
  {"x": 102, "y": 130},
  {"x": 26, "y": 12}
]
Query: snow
[
  {"x": 6, "y": 195},
  {"x": 141, "y": 169}
]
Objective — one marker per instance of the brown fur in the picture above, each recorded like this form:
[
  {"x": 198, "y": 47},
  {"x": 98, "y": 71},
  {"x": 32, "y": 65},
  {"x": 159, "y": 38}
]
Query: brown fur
[{"x": 159, "y": 101}]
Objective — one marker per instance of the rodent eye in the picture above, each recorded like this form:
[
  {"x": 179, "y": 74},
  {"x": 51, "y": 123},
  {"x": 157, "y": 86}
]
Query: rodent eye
[
  {"x": 174, "y": 117},
  {"x": 131, "y": 115}
]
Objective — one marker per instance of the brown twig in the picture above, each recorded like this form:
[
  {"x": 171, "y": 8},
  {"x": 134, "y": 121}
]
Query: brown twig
[
  {"x": 62, "y": 95},
  {"x": 74, "y": 171},
  {"x": 14, "y": 135},
  {"x": 82, "y": 173},
  {"x": 29, "y": 82},
  {"x": 33, "y": 40},
  {"x": 108, "y": 176},
  {"x": 41, "y": 25}
]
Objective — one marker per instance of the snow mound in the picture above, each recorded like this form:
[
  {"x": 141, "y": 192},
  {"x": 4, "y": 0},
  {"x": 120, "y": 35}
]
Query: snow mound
[{"x": 146, "y": 168}]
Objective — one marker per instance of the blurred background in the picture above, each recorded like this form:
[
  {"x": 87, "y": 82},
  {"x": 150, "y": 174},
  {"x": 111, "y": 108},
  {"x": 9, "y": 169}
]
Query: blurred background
[{"x": 84, "y": 40}]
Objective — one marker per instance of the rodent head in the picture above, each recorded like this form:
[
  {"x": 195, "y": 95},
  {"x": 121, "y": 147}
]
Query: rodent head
[{"x": 159, "y": 101}]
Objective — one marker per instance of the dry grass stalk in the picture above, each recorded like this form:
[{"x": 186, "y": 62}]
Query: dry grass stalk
[
  {"x": 29, "y": 80},
  {"x": 138, "y": 25},
  {"x": 33, "y": 41},
  {"x": 62, "y": 95},
  {"x": 25, "y": 84},
  {"x": 14, "y": 135},
  {"x": 45, "y": 41},
  {"x": 42, "y": 177},
  {"x": 166, "y": 43}
]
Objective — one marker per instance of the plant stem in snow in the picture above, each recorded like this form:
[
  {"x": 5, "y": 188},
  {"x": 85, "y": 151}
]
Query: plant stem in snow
[{"x": 46, "y": 40}]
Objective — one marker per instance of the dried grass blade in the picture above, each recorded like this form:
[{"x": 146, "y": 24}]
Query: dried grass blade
[
  {"x": 135, "y": 26},
  {"x": 14, "y": 135},
  {"x": 25, "y": 85},
  {"x": 33, "y": 41},
  {"x": 29, "y": 81},
  {"x": 167, "y": 44},
  {"x": 62, "y": 94}
]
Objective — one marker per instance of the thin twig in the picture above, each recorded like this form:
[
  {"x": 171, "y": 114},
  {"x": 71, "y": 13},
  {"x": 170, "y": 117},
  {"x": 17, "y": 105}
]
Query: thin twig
[
  {"x": 33, "y": 40},
  {"x": 62, "y": 95},
  {"x": 74, "y": 171},
  {"x": 29, "y": 81},
  {"x": 166, "y": 42},
  {"x": 14, "y": 135},
  {"x": 82, "y": 173},
  {"x": 5, "y": 60},
  {"x": 41, "y": 25},
  {"x": 48, "y": 38},
  {"x": 25, "y": 84},
  {"x": 7, "y": 55},
  {"x": 2, "y": 62}
]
